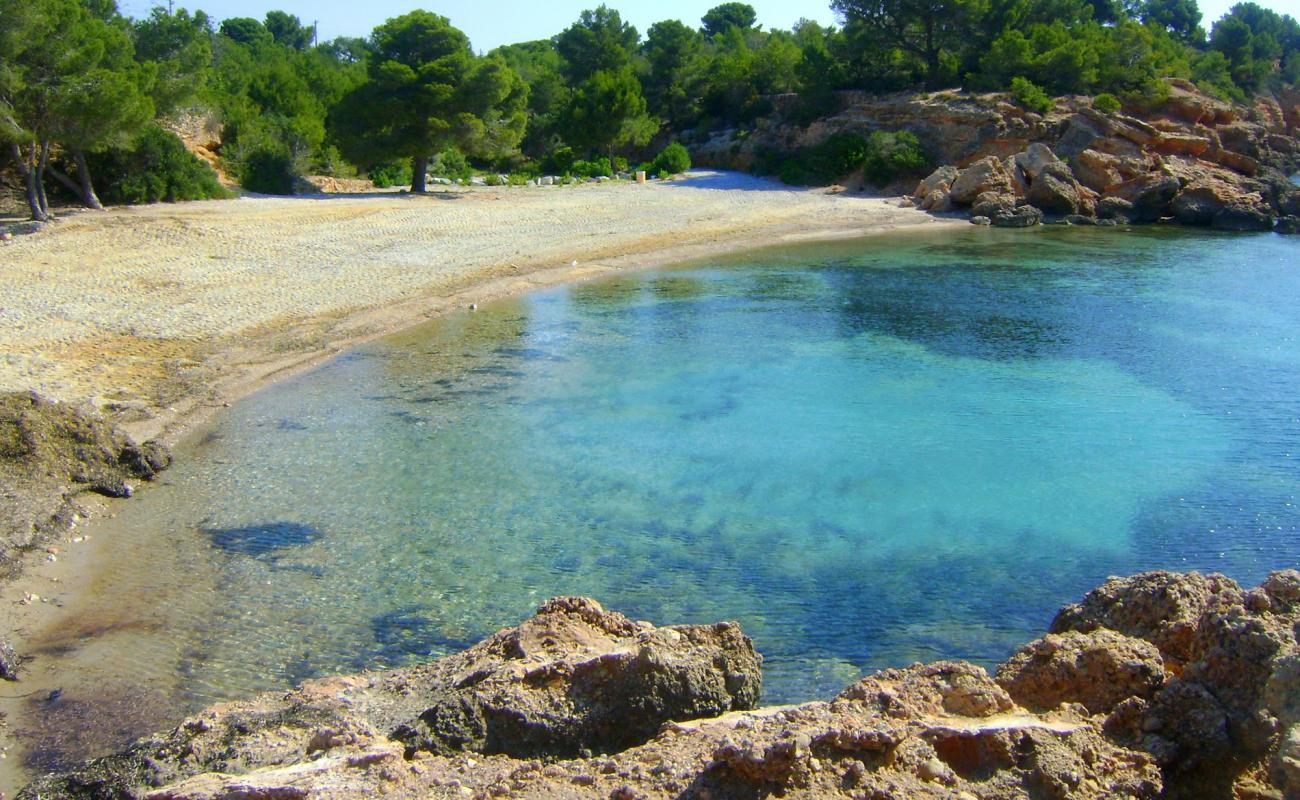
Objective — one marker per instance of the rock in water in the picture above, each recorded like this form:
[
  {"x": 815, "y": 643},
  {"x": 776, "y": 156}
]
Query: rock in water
[
  {"x": 8, "y": 661},
  {"x": 1117, "y": 209},
  {"x": 1242, "y": 218},
  {"x": 1150, "y": 195},
  {"x": 1018, "y": 217}
]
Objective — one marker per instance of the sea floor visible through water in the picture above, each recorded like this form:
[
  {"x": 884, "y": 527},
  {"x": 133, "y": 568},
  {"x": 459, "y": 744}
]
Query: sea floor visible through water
[{"x": 869, "y": 453}]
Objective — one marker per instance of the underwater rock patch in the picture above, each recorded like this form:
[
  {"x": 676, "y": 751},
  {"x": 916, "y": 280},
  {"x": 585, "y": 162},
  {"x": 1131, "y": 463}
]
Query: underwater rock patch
[{"x": 265, "y": 540}]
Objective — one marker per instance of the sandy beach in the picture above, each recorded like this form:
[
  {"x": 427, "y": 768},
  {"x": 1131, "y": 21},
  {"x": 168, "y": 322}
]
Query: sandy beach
[{"x": 155, "y": 313}]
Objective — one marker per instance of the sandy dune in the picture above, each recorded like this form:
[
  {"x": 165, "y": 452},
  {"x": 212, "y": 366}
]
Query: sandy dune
[{"x": 155, "y": 311}]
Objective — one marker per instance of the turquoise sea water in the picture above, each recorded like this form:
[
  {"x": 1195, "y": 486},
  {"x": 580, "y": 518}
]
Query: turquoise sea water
[{"x": 873, "y": 452}]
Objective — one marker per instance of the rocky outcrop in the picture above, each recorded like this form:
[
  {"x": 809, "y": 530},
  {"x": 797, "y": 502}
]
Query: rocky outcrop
[
  {"x": 1158, "y": 685},
  {"x": 1232, "y": 162},
  {"x": 1192, "y": 669},
  {"x": 51, "y": 452},
  {"x": 573, "y": 680},
  {"x": 1099, "y": 669}
]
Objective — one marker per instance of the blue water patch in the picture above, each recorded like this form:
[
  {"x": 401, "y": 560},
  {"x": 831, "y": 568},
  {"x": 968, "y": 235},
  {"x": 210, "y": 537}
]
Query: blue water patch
[{"x": 868, "y": 453}]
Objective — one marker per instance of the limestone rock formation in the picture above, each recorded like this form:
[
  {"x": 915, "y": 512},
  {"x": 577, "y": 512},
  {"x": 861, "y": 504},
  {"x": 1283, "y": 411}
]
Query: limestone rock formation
[
  {"x": 1232, "y": 162},
  {"x": 1158, "y": 685},
  {"x": 1054, "y": 189},
  {"x": 573, "y": 679},
  {"x": 1221, "y": 711},
  {"x": 986, "y": 175},
  {"x": 50, "y": 452},
  {"x": 1099, "y": 669}
]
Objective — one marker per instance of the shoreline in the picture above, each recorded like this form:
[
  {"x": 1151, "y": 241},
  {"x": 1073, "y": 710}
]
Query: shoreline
[
  {"x": 174, "y": 424},
  {"x": 246, "y": 361}
]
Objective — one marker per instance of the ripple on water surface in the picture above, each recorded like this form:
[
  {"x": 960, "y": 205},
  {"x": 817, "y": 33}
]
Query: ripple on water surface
[{"x": 868, "y": 453}]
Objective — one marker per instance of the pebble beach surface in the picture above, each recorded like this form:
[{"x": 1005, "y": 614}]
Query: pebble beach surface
[{"x": 145, "y": 311}]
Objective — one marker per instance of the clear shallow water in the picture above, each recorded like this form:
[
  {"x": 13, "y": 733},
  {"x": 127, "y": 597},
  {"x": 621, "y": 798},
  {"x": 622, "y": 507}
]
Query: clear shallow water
[{"x": 869, "y": 453}]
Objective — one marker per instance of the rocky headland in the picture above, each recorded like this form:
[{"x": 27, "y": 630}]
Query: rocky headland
[
  {"x": 1156, "y": 685},
  {"x": 1187, "y": 158}
]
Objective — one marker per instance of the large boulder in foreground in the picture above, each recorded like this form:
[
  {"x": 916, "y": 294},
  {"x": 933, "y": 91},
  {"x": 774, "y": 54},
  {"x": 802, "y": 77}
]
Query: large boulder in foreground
[
  {"x": 573, "y": 679},
  {"x": 1099, "y": 669},
  {"x": 1159, "y": 685},
  {"x": 1221, "y": 712},
  {"x": 929, "y": 732}
]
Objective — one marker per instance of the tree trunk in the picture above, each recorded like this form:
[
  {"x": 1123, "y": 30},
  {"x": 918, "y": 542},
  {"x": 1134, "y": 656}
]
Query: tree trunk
[
  {"x": 419, "y": 166},
  {"x": 88, "y": 195},
  {"x": 68, "y": 183},
  {"x": 39, "y": 177},
  {"x": 29, "y": 183}
]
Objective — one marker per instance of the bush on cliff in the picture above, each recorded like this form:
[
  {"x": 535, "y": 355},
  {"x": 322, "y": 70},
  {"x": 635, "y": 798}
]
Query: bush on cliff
[
  {"x": 1106, "y": 103},
  {"x": 883, "y": 157},
  {"x": 156, "y": 168},
  {"x": 1030, "y": 95}
]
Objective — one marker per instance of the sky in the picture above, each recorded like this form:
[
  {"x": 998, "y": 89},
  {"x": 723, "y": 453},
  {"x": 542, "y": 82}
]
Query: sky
[{"x": 490, "y": 23}]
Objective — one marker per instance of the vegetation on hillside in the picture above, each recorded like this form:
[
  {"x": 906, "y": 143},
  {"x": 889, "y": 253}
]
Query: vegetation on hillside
[{"x": 84, "y": 90}]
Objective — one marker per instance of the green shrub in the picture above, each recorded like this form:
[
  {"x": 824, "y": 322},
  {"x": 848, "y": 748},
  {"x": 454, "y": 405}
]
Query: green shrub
[
  {"x": 492, "y": 179},
  {"x": 330, "y": 162},
  {"x": 673, "y": 159},
  {"x": 520, "y": 178},
  {"x": 559, "y": 162},
  {"x": 1106, "y": 103},
  {"x": 794, "y": 172},
  {"x": 592, "y": 169},
  {"x": 890, "y": 156},
  {"x": 268, "y": 170},
  {"x": 825, "y": 163},
  {"x": 1030, "y": 95},
  {"x": 156, "y": 168},
  {"x": 451, "y": 163},
  {"x": 392, "y": 173}
]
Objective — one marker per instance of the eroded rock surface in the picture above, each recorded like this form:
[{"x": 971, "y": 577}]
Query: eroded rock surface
[
  {"x": 1189, "y": 158},
  {"x": 1199, "y": 673},
  {"x": 49, "y": 453},
  {"x": 1157, "y": 685},
  {"x": 573, "y": 679}
]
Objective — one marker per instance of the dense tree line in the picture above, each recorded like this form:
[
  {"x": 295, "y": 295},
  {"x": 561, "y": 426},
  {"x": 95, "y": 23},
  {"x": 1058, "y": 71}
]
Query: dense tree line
[{"x": 83, "y": 88}]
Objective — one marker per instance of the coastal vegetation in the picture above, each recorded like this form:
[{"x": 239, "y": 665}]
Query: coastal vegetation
[{"x": 88, "y": 96}]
